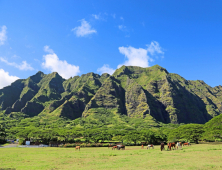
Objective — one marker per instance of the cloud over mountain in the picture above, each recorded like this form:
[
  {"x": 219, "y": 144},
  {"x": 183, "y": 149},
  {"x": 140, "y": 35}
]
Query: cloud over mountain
[
  {"x": 6, "y": 79},
  {"x": 54, "y": 64},
  {"x": 140, "y": 56},
  {"x": 23, "y": 66},
  {"x": 106, "y": 69}
]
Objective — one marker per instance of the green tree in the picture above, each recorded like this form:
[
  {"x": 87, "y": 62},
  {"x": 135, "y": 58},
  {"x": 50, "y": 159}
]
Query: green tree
[
  {"x": 133, "y": 136},
  {"x": 189, "y": 132},
  {"x": 213, "y": 128},
  {"x": 147, "y": 135}
]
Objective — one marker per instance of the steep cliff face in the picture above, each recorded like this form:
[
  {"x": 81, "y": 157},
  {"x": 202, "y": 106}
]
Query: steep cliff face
[
  {"x": 170, "y": 97},
  {"x": 136, "y": 100},
  {"x": 133, "y": 91},
  {"x": 110, "y": 96}
]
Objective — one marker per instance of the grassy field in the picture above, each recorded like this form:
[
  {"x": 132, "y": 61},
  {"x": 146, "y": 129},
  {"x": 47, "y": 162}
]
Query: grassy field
[{"x": 201, "y": 156}]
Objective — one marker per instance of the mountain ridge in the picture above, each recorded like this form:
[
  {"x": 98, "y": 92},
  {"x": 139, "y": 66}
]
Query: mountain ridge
[{"x": 131, "y": 90}]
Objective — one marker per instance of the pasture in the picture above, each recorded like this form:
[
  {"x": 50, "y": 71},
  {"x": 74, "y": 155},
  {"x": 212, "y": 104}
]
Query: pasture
[{"x": 201, "y": 156}]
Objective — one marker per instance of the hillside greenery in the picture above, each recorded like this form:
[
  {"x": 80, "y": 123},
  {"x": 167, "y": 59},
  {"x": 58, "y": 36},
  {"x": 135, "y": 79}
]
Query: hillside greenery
[{"x": 134, "y": 100}]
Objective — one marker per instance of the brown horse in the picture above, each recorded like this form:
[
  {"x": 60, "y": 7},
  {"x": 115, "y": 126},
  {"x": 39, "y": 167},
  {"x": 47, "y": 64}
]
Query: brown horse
[
  {"x": 186, "y": 144},
  {"x": 77, "y": 147},
  {"x": 142, "y": 147},
  {"x": 162, "y": 146},
  {"x": 109, "y": 146},
  {"x": 114, "y": 147},
  {"x": 170, "y": 145}
]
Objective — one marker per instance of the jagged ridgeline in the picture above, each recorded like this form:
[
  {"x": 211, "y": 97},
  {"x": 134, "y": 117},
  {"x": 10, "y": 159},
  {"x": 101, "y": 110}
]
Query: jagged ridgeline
[{"x": 133, "y": 91}]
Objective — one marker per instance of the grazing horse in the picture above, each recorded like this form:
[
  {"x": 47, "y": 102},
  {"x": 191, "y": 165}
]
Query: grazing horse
[
  {"x": 150, "y": 145},
  {"x": 179, "y": 145},
  {"x": 121, "y": 146},
  {"x": 142, "y": 147},
  {"x": 187, "y": 143},
  {"x": 110, "y": 146},
  {"x": 170, "y": 145},
  {"x": 77, "y": 147},
  {"x": 162, "y": 146},
  {"x": 114, "y": 147}
]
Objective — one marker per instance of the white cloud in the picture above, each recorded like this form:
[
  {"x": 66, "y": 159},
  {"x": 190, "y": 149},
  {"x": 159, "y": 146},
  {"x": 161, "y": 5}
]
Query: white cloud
[
  {"x": 122, "y": 27},
  {"x": 52, "y": 63},
  {"x": 106, "y": 69},
  {"x": 6, "y": 79},
  {"x": 83, "y": 30},
  {"x": 96, "y": 16},
  {"x": 154, "y": 48},
  {"x": 48, "y": 50},
  {"x": 121, "y": 18},
  {"x": 140, "y": 56},
  {"x": 15, "y": 56},
  {"x": 23, "y": 66},
  {"x": 3, "y": 36}
]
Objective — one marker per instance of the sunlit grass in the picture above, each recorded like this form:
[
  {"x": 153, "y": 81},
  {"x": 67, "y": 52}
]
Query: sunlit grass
[{"x": 202, "y": 156}]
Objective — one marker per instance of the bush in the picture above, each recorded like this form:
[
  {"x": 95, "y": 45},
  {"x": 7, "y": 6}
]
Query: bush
[
  {"x": 78, "y": 140},
  {"x": 98, "y": 144},
  {"x": 105, "y": 145},
  {"x": 70, "y": 145},
  {"x": 93, "y": 145},
  {"x": 218, "y": 140},
  {"x": 83, "y": 145},
  {"x": 62, "y": 145},
  {"x": 21, "y": 141}
]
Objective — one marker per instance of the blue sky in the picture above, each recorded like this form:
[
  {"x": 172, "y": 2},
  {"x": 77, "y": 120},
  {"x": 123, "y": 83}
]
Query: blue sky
[{"x": 77, "y": 37}]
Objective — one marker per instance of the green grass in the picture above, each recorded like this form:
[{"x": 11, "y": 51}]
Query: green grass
[{"x": 202, "y": 157}]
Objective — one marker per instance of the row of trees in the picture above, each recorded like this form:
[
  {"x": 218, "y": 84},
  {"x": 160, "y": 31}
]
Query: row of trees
[
  {"x": 89, "y": 135},
  {"x": 106, "y": 126},
  {"x": 189, "y": 132}
]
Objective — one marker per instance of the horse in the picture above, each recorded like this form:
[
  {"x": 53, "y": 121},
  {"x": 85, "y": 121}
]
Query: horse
[
  {"x": 114, "y": 147},
  {"x": 170, "y": 145},
  {"x": 179, "y": 145},
  {"x": 187, "y": 143},
  {"x": 150, "y": 145},
  {"x": 77, "y": 147},
  {"x": 110, "y": 146},
  {"x": 121, "y": 146},
  {"x": 162, "y": 146},
  {"x": 142, "y": 147}
]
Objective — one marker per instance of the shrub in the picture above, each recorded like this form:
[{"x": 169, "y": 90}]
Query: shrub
[
  {"x": 83, "y": 145},
  {"x": 98, "y": 144},
  {"x": 105, "y": 145},
  {"x": 69, "y": 145},
  {"x": 93, "y": 145},
  {"x": 21, "y": 141},
  {"x": 78, "y": 140}
]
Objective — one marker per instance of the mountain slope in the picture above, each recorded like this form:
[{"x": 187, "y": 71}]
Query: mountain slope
[{"x": 133, "y": 91}]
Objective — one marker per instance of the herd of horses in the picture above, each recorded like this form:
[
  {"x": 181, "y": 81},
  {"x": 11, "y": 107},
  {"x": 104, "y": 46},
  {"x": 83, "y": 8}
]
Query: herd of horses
[
  {"x": 171, "y": 145},
  {"x": 118, "y": 147},
  {"x": 174, "y": 145}
]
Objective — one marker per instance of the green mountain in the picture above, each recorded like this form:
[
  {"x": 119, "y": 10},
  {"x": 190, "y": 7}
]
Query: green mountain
[{"x": 133, "y": 91}]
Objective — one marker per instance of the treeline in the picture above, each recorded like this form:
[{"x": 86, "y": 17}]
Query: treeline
[
  {"x": 107, "y": 127},
  {"x": 188, "y": 132}
]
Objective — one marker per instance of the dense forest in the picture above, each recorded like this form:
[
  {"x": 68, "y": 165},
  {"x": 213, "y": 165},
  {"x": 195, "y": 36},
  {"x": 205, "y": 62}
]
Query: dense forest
[
  {"x": 106, "y": 126},
  {"x": 134, "y": 104}
]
